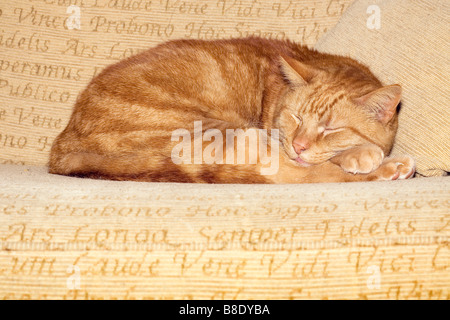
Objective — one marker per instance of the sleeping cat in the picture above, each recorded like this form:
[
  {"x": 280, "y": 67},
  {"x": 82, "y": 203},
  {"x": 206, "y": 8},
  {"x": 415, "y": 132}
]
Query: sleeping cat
[{"x": 323, "y": 118}]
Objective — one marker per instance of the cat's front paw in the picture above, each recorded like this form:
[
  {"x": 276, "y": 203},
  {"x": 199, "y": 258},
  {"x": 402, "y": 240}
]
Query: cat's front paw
[
  {"x": 361, "y": 159},
  {"x": 394, "y": 169}
]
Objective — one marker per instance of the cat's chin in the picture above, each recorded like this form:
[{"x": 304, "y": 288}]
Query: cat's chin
[{"x": 302, "y": 162}]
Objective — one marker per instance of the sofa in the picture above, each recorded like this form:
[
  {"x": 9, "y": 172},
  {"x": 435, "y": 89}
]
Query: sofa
[{"x": 73, "y": 238}]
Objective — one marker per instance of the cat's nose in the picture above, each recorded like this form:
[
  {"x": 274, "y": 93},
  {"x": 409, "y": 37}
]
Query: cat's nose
[{"x": 300, "y": 144}]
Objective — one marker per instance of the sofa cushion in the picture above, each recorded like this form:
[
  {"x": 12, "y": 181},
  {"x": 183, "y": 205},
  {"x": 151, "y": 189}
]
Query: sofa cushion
[
  {"x": 63, "y": 237},
  {"x": 405, "y": 42}
]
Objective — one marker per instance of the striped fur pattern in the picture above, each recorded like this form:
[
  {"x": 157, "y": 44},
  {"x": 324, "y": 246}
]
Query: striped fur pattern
[{"x": 336, "y": 121}]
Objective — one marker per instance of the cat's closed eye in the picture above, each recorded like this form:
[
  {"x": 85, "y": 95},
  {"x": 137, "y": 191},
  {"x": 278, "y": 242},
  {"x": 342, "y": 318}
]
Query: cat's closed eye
[
  {"x": 328, "y": 130},
  {"x": 298, "y": 119}
]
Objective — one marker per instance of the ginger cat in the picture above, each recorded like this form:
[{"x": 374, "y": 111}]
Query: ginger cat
[{"x": 319, "y": 117}]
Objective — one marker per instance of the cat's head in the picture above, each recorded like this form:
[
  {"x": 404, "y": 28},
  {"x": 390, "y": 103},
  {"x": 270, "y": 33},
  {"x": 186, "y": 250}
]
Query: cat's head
[{"x": 332, "y": 108}]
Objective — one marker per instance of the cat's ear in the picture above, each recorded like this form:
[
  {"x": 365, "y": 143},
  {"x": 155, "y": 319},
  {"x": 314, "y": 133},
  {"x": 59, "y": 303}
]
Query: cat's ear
[
  {"x": 295, "y": 72},
  {"x": 383, "y": 102}
]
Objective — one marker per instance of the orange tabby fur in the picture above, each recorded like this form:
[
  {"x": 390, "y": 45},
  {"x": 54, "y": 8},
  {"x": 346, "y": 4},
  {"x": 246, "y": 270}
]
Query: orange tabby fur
[{"x": 336, "y": 120}]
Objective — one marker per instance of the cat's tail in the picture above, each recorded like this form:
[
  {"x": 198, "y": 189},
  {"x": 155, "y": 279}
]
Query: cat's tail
[
  {"x": 157, "y": 168},
  {"x": 119, "y": 167},
  {"x": 142, "y": 160},
  {"x": 77, "y": 163}
]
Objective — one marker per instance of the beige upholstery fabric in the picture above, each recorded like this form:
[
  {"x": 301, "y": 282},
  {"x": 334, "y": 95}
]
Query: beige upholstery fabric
[
  {"x": 412, "y": 48},
  {"x": 65, "y": 237},
  {"x": 70, "y": 238},
  {"x": 44, "y": 63}
]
